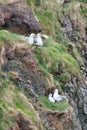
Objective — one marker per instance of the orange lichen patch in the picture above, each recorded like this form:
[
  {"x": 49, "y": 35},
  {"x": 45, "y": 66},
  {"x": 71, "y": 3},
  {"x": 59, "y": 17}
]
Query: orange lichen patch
[{"x": 14, "y": 73}]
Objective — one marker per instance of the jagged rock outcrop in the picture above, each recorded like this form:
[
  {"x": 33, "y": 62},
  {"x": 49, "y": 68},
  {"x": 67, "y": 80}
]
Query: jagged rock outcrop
[
  {"x": 21, "y": 64},
  {"x": 20, "y": 59},
  {"x": 69, "y": 28},
  {"x": 56, "y": 120},
  {"x": 77, "y": 95},
  {"x": 23, "y": 123},
  {"x": 18, "y": 17},
  {"x": 76, "y": 90}
]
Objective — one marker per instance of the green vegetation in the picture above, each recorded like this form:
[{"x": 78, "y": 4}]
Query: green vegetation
[
  {"x": 10, "y": 98},
  {"x": 45, "y": 17},
  {"x": 37, "y": 2},
  {"x": 29, "y": 2},
  {"x": 84, "y": 11},
  {"x": 4, "y": 83},
  {"x": 63, "y": 105},
  {"x": 84, "y": 1},
  {"x": 20, "y": 104},
  {"x": 51, "y": 54},
  {"x": 1, "y": 114},
  {"x": 65, "y": 77},
  {"x": 6, "y": 36}
]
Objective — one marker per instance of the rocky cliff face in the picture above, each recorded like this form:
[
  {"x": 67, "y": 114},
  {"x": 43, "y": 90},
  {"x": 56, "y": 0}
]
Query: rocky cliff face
[
  {"x": 76, "y": 90},
  {"x": 29, "y": 73},
  {"x": 18, "y": 18}
]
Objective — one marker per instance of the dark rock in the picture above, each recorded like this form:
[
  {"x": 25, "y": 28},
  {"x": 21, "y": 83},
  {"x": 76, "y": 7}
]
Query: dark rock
[
  {"x": 24, "y": 63},
  {"x": 69, "y": 28},
  {"x": 70, "y": 48},
  {"x": 37, "y": 86},
  {"x": 19, "y": 18},
  {"x": 77, "y": 96},
  {"x": 66, "y": 1},
  {"x": 24, "y": 123}
]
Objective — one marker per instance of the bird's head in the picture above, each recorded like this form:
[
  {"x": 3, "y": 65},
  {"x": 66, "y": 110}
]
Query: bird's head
[
  {"x": 39, "y": 35},
  {"x": 32, "y": 35},
  {"x": 56, "y": 90},
  {"x": 50, "y": 95}
]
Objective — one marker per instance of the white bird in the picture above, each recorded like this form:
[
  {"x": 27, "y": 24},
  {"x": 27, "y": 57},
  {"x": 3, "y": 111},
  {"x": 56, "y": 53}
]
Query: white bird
[
  {"x": 58, "y": 97},
  {"x": 30, "y": 39},
  {"x": 38, "y": 40},
  {"x": 51, "y": 99},
  {"x": 45, "y": 37}
]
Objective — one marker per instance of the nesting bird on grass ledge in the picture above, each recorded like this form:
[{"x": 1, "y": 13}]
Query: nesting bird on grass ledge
[
  {"x": 34, "y": 39},
  {"x": 38, "y": 40},
  {"x": 30, "y": 39},
  {"x": 56, "y": 97},
  {"x": 51, "y": 99}
]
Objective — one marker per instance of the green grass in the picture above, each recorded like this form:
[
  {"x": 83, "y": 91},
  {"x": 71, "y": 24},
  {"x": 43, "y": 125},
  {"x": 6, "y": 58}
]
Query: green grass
[
  {"x": 4, "y": 104},
  {"x": 16, "y": 102},
  {"x": 37, "y": 2},
  {"x": 8, "y": 36},
  {"x": 84, "y": 11},
  {"x": 84, "y": 1},
  {"x": 63, "y": 105},
  {"x": 4, "y": 82},
  {"x": 45, "y": 18},
  {"x": 22, "y": 106},
  {"x": 59, "y": 36},
  {"x": 1, "y": 114},
  {"x": 65, "y": 77},
  {"x": 52, "y": 53},
  {"x": 6, "y": 119}
]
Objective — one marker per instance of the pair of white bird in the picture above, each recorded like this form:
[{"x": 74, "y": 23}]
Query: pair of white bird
[
  {"x": 35, "y": 39},
  {"x": 56, "y": 97}
]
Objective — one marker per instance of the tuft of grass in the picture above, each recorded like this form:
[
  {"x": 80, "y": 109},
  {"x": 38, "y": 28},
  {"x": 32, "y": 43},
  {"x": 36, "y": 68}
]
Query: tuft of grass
[
  {"x": 63, "y": 105},
  {"x": 6, "y": 120},
  {"x": 84, "y": 11},
  {"x": 1, "y": 114},
  {"x": 12, "y": 99},
  {"x": 65, "y": 77},
  {"x": 45, "y": 18},
  {"x": 21, "y": 105},
  {"x": 8, "y": 36}
]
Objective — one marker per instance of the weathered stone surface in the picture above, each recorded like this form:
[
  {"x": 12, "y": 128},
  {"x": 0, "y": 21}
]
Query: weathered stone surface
[
  {"x": 18, "y": 17},
  {"x": 24, "y": 123},
  {"x": 69, "y": 28},
  {"x": 20, "y": 59},
  {"x": 77, "y": 95},
  {"x": 56, "y": 120}
]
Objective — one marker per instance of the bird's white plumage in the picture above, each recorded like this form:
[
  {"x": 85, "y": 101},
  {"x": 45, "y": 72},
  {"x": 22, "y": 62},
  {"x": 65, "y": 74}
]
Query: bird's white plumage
[
  {"x": 57, "y": 97},
  {"x": 30, "y": 39},
  {"x": 38, "y": 40},
  {"x": 51, "y": 99},
  {"x": 44, "y": 36}
]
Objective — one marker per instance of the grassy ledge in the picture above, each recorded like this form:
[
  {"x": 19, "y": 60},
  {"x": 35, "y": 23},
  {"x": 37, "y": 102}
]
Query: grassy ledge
[{"x": 61, "y": 106}]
